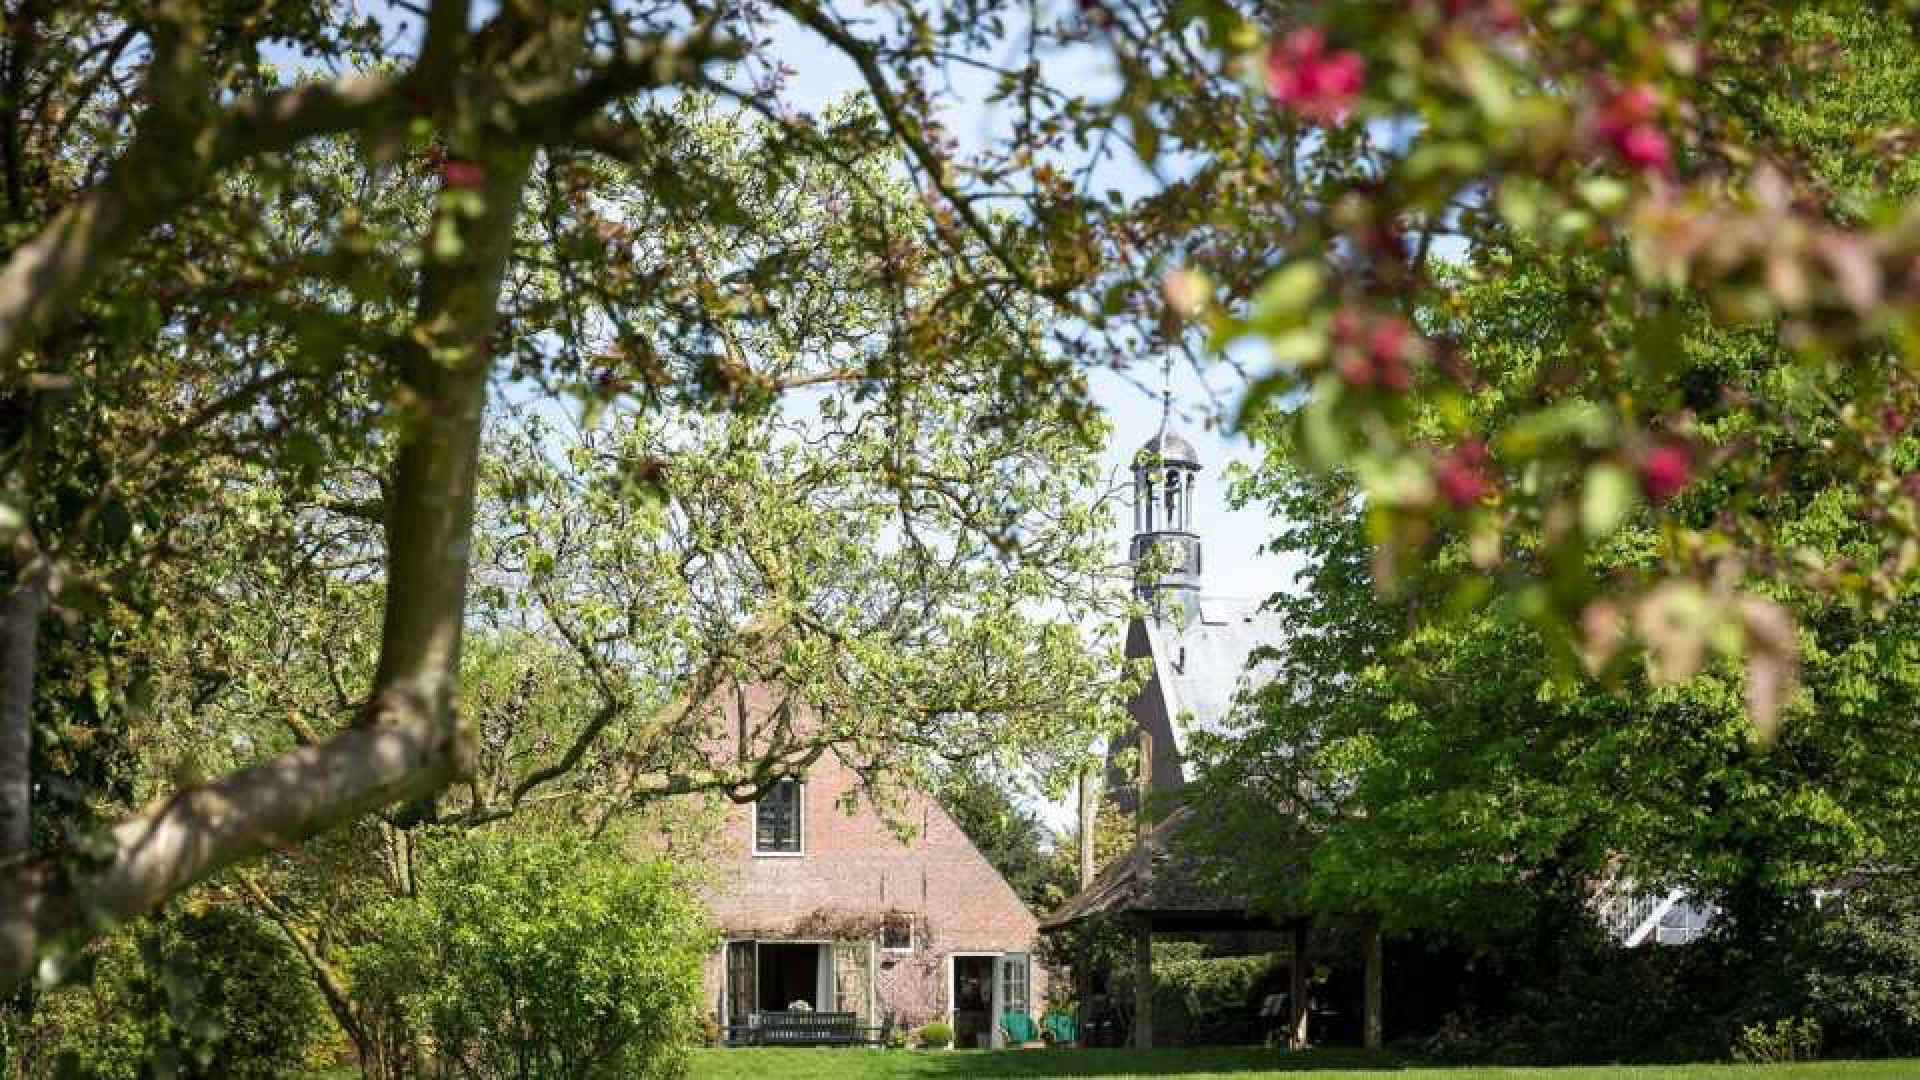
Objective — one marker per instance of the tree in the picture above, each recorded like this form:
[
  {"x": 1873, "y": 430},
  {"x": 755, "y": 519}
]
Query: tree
[
  {"x": 1038, "y": 862},
  {"x": 1412, "y": 157},
  {"x": 230, "y": 286},
  {"x": 1444, "y": 758},
  {"x": 873, "y": 557}
]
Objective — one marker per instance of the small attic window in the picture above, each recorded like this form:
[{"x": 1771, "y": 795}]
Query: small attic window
[
  {"x": 777, "y": 820},
  {"x": 896, "y": 932}
]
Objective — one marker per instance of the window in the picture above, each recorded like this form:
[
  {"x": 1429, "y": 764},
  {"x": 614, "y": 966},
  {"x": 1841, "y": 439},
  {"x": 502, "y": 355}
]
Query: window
[
  {"x": 777, "y": 820},
  {"x": 896, "y": 933}
]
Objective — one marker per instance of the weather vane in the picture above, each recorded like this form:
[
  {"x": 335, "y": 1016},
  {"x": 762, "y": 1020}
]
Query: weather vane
[{"x": 1166, "y": 392}]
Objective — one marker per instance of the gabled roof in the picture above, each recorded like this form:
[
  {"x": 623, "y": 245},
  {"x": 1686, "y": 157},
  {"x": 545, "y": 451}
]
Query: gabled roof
[
  {"x": 1165, "y": 875},
  {"x": 1203, "y": 666}
]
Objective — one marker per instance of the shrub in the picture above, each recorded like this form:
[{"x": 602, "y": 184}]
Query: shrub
[
  {"x": 212, "y": 994},
  {"x": 936, "y": 1036},
  {"x": 1862, "y": 974},
  {"x": 1779, "y": 1042},
  {"x": 1200, "y": 999},
  {"x": 1209, "y": 999},
  {"x": 549, "y": 959}
]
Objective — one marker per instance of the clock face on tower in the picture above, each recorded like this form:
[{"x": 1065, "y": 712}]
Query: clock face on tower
[{"x": 1177, "y": 554}]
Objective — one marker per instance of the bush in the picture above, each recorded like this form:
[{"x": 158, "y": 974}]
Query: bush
[
  {"x": 1778, "y": 1043},
  {"x": 214, "y": 994},
  {"x": 548, "y": 959},
  {"x": 1201, "y": 999},
  {"x": 1206, "y": 1000},
  {"x": 936, "y": 1036},
  {"x": 1862, "y": 973}
]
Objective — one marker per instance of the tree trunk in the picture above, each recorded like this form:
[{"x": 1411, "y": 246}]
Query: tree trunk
[{"x": 20, "y": 616}]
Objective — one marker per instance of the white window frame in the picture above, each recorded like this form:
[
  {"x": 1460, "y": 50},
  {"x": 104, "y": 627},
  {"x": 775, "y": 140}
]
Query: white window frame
[
  {"x": 913, "y": 933},
  {"x": 800, "y": 823}
]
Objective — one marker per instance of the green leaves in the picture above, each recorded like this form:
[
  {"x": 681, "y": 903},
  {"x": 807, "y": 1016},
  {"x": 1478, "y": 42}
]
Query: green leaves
[
  {"x": 595, "y": 955},
  {"x": 1615, "y": 291},
  {"x": 1609, "y": 496}
]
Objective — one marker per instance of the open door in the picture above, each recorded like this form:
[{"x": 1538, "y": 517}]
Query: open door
[
  {"x": 975, "y": 993},
  {"x": 1011, "y": 993}
]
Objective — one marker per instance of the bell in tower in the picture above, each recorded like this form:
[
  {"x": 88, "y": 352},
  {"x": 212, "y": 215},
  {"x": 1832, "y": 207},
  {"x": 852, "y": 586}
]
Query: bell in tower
[{"x": 1165, "y": 552}]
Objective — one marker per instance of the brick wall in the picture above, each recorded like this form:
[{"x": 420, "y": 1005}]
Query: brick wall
[{"x": 854, "y": 871}]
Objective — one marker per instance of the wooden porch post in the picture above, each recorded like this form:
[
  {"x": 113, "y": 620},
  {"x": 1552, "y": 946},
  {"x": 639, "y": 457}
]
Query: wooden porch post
[
  {"x": 1082, "y": 982},
  {"x": 1297, "y": 986},
  {"x": 1143, "y": 982},
  {"x": 1371, "y": 945},
  {"x": 1089, "y": 813}
]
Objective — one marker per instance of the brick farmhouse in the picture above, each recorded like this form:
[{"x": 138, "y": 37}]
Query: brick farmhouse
[{"x": 836, "y": 908}]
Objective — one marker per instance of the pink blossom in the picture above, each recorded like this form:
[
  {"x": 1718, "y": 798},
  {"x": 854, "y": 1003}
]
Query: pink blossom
[
  {"x": 1305, "y": 78},
  {"x": 1626, "y": 124},
  {"x": 464, "y": 175},
  {"x": 1355, "y": 367},
  {"x": 1644, "y": 147},
  {"x": 1389, "y": 343},
  {"x": 1462, "y": 474},
  {"x": 1665, "y": 471}
]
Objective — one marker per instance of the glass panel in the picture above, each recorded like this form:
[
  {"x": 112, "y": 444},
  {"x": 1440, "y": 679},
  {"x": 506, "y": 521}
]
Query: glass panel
[
  {"x": 777, "y": 819},
  {"x": 1013, "y": 983},
  {"x": 896, "y": 934}
]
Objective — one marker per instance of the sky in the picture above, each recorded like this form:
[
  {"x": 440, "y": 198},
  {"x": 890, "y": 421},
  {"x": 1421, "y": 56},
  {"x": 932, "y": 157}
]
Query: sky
[{"x": 1234, "y": 563}]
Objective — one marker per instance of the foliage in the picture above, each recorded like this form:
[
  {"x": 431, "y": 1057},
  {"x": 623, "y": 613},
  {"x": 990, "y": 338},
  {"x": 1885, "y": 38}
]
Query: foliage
[
  {"x": 935, "y": 1036},
  {"x": 527, "y": 957},
  {"x": 1778, "y": 1043},
  {"x": 1666, "y": 157},
  {"x": 213, "y": 993},
  {"x": 275, "y": 274},
  {"x": 1447, "y": 762},
  {"x": 1039, "y": 863},
  {"x": 1205, "y": 1000},
  {"x": 1861, "y": 971},
  {"x": 1836, "y": 982}
]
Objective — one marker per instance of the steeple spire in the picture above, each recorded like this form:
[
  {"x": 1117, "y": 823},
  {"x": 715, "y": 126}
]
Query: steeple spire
[
  {"x": 1165, "y": 550},
  {"x": 1166, "y": 394}
]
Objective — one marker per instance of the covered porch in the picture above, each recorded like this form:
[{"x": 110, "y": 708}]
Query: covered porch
[
  {"x": 800, "y": 992},
  {"x": 1164, "y": 887}
]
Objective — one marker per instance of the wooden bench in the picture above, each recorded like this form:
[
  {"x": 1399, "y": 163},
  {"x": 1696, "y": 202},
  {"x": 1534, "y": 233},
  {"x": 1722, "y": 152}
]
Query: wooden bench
[{"x": 806, "y": 1029}]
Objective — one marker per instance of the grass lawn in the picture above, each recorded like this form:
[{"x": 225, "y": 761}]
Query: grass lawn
[{"x": 1235, "y": 1064}]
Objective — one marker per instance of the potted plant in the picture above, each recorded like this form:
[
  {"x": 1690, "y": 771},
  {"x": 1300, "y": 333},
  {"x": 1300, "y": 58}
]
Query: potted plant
[{"x": 936, "y": 1036}]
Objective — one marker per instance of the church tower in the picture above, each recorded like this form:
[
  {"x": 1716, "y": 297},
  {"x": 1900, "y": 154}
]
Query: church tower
[{"x": 1165, "y": 551}]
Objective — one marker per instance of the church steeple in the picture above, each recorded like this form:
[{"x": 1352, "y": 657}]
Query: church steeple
[{"x": 1166, "y": 551}]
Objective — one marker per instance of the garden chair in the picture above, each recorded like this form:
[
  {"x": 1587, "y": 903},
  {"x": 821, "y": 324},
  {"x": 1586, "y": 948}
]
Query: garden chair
[
  {"x": 1062, "y": 1027},
  {"x": 1019, "y": 1028}
]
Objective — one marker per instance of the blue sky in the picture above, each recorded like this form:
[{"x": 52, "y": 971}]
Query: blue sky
[{"x": 1234, "y": 563}]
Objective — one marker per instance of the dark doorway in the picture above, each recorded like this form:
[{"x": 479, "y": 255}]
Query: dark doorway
[
  {"x": 972, "y": 1000},
  {"x": 789, "y": 973}
]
